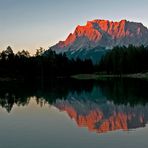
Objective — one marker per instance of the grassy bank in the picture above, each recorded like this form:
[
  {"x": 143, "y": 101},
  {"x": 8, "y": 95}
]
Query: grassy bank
[
  {"x": 101, "y": 77},
  {"x": 138, "y": 76}
]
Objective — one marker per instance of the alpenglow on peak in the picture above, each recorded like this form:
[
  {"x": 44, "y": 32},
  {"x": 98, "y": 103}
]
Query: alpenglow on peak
[
  {"x": 93, "y": 39},
  {"x": 104, "y": 33}
]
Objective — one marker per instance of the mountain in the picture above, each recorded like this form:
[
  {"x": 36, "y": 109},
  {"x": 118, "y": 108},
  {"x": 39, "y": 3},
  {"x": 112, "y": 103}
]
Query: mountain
[{"x": 93, "y": 39}]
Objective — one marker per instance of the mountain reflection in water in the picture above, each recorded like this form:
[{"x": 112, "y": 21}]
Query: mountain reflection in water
[{"x": 100, "y": 106}]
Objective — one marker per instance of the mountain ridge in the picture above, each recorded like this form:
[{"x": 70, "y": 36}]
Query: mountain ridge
[{"x": 105, "y": 34}]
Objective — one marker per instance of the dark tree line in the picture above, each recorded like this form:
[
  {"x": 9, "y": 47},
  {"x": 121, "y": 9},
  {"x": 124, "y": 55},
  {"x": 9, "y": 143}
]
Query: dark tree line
[
  {"x": 51, "y": 65},
  {"x": 125, "y": 60},
  {"x": 119, "y": 60}
]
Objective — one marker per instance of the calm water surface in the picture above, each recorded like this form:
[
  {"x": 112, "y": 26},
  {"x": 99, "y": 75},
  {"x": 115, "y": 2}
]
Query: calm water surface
[{"x": 74, "y": 114}]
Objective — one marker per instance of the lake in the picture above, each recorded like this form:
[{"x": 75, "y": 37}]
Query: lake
[{"x": 74, "y": 114}]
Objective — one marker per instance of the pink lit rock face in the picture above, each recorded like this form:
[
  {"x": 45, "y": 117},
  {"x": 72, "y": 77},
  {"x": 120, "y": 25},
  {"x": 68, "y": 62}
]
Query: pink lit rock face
[
  {"x": 105, "y": 34},
  {"x": 104, "y": 117}
]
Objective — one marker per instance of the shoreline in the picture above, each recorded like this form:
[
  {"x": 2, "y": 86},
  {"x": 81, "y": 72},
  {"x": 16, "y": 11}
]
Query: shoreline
[{"x": 143, "y": 76}]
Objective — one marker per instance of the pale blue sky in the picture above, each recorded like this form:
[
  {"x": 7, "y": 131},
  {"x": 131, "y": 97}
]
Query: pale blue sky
[{"x": 30, "y": 24}]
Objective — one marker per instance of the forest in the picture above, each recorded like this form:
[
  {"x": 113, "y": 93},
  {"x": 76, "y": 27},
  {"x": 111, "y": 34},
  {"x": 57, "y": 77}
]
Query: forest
[
  {"x": 118, "y": 61},
  {"x": 39, "y": 66},
  {"x": 125, "y": 60}
]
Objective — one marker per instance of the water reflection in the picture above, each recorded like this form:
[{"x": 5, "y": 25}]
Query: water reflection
[
  {"x": 106, "y": 116},
  {"x": 100, "y": 106}
]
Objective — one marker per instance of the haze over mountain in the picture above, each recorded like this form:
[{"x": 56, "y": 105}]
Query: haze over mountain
[{"x": 92, "y": 40}]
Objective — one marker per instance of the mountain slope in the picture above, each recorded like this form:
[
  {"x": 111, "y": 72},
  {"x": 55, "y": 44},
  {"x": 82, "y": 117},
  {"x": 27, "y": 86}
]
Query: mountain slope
[{"x": 102, "y": 34}]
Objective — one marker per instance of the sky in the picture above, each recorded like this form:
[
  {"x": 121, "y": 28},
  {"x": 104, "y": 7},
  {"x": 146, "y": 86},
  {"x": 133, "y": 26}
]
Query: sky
[{"x": 30, "y": 24}]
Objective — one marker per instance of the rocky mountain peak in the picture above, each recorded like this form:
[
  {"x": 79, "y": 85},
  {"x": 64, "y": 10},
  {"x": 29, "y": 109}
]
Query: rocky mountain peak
[
  {"x": 91, "y": 40},
  {"x": 104, "y": 33}
]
